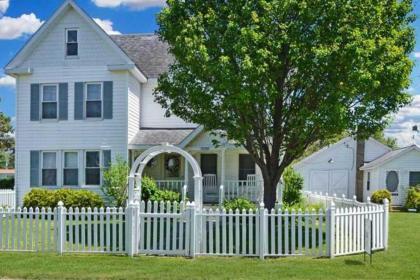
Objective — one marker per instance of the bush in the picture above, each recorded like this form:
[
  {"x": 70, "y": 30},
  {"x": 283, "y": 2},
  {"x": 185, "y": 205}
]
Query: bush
[
  {"x": 70, "y": 198},
  {"x": 7, "y": 183},
  {"x": 293, "y": 185},
  {"x": 150, "y": 191},
  {"x": 115, "y": 183},
  {"x": 413, "y": 198},
  {"x": 239, "y": 203},
  {"x": 379, "y": 195}
]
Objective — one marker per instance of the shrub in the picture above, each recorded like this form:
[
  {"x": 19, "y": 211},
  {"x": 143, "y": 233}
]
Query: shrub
[
  {"x": 413, "y": 198},
  {"x": 379, "y": 195},
  {"x": 7, "y": 183},
  {"x": 70, "y": 198},
  {"x": 293, "y": 185},
  {"x": 239, "y": 203},
  {"x": 150, "y": 191},
  {"x": 115, "y": 183}
]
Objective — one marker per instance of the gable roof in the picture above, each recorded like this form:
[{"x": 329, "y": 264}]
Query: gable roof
[
  {"x": 389, "y": 156},
  {"x": 26, "y": 50},
  {"x": 335, "y": 145},
  {"x": 147, "y": 51}
]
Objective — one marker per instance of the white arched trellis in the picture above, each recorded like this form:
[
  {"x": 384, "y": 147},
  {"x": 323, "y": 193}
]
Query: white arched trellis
[{"x": 134, "y": 178}]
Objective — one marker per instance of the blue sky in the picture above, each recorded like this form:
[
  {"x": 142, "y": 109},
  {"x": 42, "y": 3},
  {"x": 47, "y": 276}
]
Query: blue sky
[{"x": 20, "y": 18}]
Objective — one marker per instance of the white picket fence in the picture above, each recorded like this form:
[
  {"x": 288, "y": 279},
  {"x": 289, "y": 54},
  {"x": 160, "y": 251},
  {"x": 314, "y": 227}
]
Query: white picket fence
[
  {"x": 183, "y": 229},
  {"x": 7, "y": 198},
  {"x": 326, "y": 200}
]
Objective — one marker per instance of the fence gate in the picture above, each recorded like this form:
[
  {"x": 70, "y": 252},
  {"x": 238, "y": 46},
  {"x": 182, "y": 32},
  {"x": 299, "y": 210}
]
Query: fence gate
[{"x": 164, "y": 229}]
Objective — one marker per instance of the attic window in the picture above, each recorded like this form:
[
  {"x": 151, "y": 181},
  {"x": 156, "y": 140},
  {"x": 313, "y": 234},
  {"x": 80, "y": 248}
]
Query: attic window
[{"x": 72, "y": 46}]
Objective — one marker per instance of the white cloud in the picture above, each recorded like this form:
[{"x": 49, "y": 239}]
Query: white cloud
[
  {"x": 416, "y": 54},
  {"x": 106, "y": 25},
  {"x": 7, "y": 81},
  {"x": 135, "y": 4},
  {"x": 12, "y": 28},
  {"x": 404, "y": 120},
  {"x": 4, "y": 5}
]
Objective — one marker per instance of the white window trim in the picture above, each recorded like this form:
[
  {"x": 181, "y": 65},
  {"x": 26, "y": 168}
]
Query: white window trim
[
  {"x": 63, "y": 164},
  {"x": 42, "y": 168},
  {"x": 41, "y": 102},
  {"x": 66, "y": 42},
  {"x": 85, "y": 100},
  {"x": 100, "y": 168}
]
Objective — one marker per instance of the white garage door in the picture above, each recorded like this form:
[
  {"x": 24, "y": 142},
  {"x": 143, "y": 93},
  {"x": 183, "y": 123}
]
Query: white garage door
[{"x": 331, "y": 181}]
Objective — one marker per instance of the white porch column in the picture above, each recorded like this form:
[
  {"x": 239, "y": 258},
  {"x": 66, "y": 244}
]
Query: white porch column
[
  {"x": 223, "y": 174},
  {"x": 186, "y": 167}
]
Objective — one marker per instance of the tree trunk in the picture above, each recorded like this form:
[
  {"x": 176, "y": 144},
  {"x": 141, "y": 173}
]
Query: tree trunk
[{"x": 269, "y": 192}]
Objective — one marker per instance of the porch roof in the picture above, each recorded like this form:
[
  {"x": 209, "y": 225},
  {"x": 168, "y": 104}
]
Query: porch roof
[{"x": 153, "y": 136}]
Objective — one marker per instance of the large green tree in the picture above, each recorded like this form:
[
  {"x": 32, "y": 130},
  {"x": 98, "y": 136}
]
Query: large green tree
[
  {"x": 6, "y": 141},
  {"x": 277, "y": 76}
]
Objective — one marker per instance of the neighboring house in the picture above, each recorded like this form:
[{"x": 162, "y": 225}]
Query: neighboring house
[
  {"x": 396, "y": 171},
  {"x": 85, "y": 98},
  {"x": 333, "y": 169},
  {"x": 6, "y": 173}
]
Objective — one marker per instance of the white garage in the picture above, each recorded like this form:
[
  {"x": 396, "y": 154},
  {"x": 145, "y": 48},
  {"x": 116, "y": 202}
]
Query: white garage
[{"x": 333, "y": 168}]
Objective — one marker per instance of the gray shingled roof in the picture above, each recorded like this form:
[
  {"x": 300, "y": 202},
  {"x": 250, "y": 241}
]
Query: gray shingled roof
[
  {"x": 159, "y": 136},
  {"x": 146, "y": 50}
]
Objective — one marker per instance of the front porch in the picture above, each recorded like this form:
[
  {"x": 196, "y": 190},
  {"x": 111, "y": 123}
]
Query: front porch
[{"x": 228, "y": 173}]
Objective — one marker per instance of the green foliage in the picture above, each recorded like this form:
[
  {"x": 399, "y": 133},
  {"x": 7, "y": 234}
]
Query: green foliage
[
  {"x": 293, "y": 185},
  {"x": 277, "y": 76},
  {"x": 413, "y": 198},
  {"x": 71, "y": 198},
  {"x": 115, "y": 182},
  {"x": 7, "y": 183},
  {"x": 239, "y": 203},
  {"x": 379, "y": 195},
  {"x": 150, "y": 191}
]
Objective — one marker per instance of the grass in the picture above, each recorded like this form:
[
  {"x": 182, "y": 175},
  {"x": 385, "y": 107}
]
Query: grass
[{"x": 401, "y": 261}]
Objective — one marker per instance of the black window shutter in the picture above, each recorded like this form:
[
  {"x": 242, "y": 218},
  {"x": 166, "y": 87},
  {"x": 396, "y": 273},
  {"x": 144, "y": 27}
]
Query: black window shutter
[
  {"x": 108, "y": 99},
  {"x": 78, "y": 101},
  {"x": 63, "y": 101},
  {"x": 34, "y": 102}
]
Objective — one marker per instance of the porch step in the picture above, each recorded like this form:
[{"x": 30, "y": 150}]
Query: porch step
[{"x": 397, "y": 208}]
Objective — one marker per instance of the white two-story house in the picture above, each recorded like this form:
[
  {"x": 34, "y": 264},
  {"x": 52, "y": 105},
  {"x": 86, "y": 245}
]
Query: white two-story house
[{"x": 85, "y": 98}]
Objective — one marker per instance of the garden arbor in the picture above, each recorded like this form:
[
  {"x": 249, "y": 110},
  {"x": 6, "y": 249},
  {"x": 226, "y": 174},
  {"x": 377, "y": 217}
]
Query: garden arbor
[{"x": 136, "y": 172}]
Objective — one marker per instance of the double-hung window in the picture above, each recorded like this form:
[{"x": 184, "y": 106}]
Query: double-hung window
[
  {"x": 93, "y": 100},
  {"x": 71, "y": 169},
  {"x": 49, "y": 102},
  {"x": 92, "y": 168},
  {"x": 49, "y": 169},
  {"x": 72, "y": 45}
]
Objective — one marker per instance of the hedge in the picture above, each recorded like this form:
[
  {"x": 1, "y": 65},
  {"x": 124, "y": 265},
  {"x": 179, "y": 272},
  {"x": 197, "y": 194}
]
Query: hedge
[{"x": 71, "y": 198}]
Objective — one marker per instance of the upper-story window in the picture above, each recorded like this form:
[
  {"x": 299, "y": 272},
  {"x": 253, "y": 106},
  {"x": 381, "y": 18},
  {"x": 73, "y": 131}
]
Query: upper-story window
[
  {"x": 72, "y": 45},
  {"x": 93, "y": 100},
  {"x": 49, "y": 102}
]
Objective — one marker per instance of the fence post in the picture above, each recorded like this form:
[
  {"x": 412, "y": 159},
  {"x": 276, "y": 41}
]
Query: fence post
[
  {"x": 386, "y": 222},
  {"x": 331, "y": 230},
  {"x": 262, "y": 231},
  {"x": 60, "y": 227},
  {"x": 221, "y": 195},
  {"x": 191, "y": 217},
  {"x": 132, "y": 213}
]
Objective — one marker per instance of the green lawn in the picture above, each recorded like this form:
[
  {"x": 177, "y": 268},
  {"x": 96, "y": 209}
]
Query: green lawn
[{"x": 401, "y": 261}]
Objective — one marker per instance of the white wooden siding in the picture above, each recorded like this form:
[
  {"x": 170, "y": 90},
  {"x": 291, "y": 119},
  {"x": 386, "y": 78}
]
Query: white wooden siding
[
  {"x": 403, "y": 165},
  {"x": 133, "y": 107},
  {"x": 152, "y": 115},
  {"x": 92, "y": 49}
]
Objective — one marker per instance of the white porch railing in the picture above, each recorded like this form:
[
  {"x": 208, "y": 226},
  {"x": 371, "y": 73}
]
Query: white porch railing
[
  {"x": 249, "y": 189},
  {"x": 7, "y": 198},
  {"x": 172, "y": 185}
]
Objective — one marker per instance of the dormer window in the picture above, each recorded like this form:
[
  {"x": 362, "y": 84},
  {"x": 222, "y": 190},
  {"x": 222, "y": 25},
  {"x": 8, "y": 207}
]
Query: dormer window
[{"x": 72, "y": 46}]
